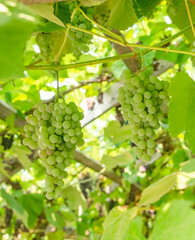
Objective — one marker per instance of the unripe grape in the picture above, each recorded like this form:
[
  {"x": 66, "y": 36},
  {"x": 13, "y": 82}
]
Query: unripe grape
[
  {"x": 137, "y": 97},
  {"x": 42, "y": 107},
  {"x": 59, "y": 159},
  {"x": 145, "y": 157},
  {"x": 149, "y": 117},
  {"x": 151, "y": 151},
  {"x": 141, "y": 144},
  {"x": 148, "y": 103},
  {"x": 138, "y": 151},
  {"x": 141, "y": 132},
  {"x": 53, "y": 138},
  {"x": 135, "y": 139},
  {"x": 151, "y": 143},
  {"x": 147, "y": 95},
  {"x": 51, "y": 160},
  {"x": 162, "y": 94},
  {"x": 152, "y": 110},
  {"x": 55, "y": 172},
  {"x": 49, "y": 187},
  {"x": 50, "y": 195}
]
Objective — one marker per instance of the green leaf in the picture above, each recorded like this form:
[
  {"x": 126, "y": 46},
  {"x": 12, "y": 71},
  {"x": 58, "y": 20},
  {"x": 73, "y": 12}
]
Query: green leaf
[
  {"x": 111, "y": 162},
  {"x": 122, "y": 14},
  {"x": 181, "y": 107},
  {"x": 89, "y": 3},
  {"x": 189, "y": 166},
  {"x": 54, "y": 217},
  {"x": 22, "y": 156},
  {"x": 75, "y": 198},
  {"x": 10, "y": 120},
  {"x": 122, "y": 223},
  {"x": 13, "y": 22},
  {"x": 145, "y": 8},
  {"x": 33, "y": 204},
  {"x": 2, "y": 169},
  {"x": 179, "y": 157},
  {"x": 46, "y": 11},
  {"x": 16, "y": 207},
  {"x": 116, "y": 132},
  {"x": 155, "y": 191},
  {"x": 177, "y": 11},
  {"x": 63, "y": 12},
  {"x": 175, "y": 221}
]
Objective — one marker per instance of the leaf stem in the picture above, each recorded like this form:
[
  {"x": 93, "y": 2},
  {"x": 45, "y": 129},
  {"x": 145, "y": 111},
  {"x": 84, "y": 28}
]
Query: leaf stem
[
  {"x": 108, "y": 32},
  {"x": 190, "y": 17}
]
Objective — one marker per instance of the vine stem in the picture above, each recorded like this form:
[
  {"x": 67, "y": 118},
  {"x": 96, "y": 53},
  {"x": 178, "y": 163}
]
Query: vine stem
[
  {"x": 106, "y": 31},
  {"x": 132, "y": 44},
  {"x": 190, "y": 18}
]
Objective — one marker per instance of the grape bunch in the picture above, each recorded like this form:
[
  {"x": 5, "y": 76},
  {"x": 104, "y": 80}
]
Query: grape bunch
[
  {"x": 55, "y": 130},
  {"x": 140, "y": 99},
  {"x": 46, "y": 45},
  {"x": 80, "y": 40}
]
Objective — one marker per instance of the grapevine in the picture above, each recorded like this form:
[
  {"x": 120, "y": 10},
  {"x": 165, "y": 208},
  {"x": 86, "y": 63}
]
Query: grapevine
[
  {"x": 140, "y": 99},
  {"x": 55, "y": 130}
]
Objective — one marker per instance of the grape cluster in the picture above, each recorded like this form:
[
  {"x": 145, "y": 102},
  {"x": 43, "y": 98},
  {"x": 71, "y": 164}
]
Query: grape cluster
[
  {"x": 80, "y": 40},
  {"x": 55, "y": 130},
  {"x": 140, "y": 99},
  {"x": 46, "y": 45}
]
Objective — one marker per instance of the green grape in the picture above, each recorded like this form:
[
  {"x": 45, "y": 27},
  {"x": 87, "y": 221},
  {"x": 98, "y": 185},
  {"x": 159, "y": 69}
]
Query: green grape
[
  {"x": 53, "y": 138},
  {"x": 135, "y": 81},
  {"x": 145, "y": 157},
  {"x": 59, "y": 131},
  {"x": 154, "y": 123},
  {"x": 136, "y": 118},
  {"x": 135, "y": 139},
  {"x": 66, "y": 138},
  {"x": 141, "y": 75},
  {"x": 162, "y": 95},
  {"x": 50, "y": 195},
  {"x": 49, "y": 152},
  {"x": 138, "y": 151},
  {"x": 42, "y": 107},
  {"x": 151, "y": 151},
  {"x": 59, "y": 118},
  {"x": 141, "y": 90},
  {"x": 60, "y": 183},
  {"x": 32, "y": 144},
  {"x": 141, "y": 144},
  {"x": 80, "y": 142},
  {"x": 45, "y": 116},
  {"x": 49, "y": 187},
  {"x": 58, "y": 125},
  {"x": 69, "y": 110},
  {"x": 68, "y": 162},
  {"x": 64, "y": 154},
  {"x": 33, "y": 121},
  {"x": 75, "y": 117},
  {"x": 51, "y": 160},
  {"x": 151, "y": 87},
  {"x": 147, "y": 95},
  {"x": 50, "y": 169},
  {"x": 49, "y": 108},
  {"x": 42, "y": 154},
  {"x": 83, "y": 48},
  {"x": 63, "y": 175},
  {"x": 71, "y": 132},
  {"x": 148, "y": 103},
  {"x": 42, "y": 123},
  {"x": 34, "y": 137},
  {"x": 51, "y": 130},
  {"x": 58, "y": 191},
  {"x": 137, "y": 97},
  {"x": 160, "y": 116},
  {"x": 135, "y": 130},
  {"x": 149, "y": 117},
  {"x": 152, "y": 110},
  {"x": 151, "y": 143},
  {"x": 49, "y": 179},
  {"x": 73, "y": 140},
  {"x": 155, "y": 94},
  {"x": 59, "y": 159},
  {"x": 66, "y": 124},
  {"x": 140, "y": 106},
  {"x": 149, "y": 132},
  {"x": 143, "y": 114},
  {"x": 141, "y": 132},
  {"x": 159, "y": 85},
  {"x": 153, "y": 79},
  {"x": 63, "y": 105},
  {"x": 55, "y": 172},
  {"x": 61, "y": 166}
]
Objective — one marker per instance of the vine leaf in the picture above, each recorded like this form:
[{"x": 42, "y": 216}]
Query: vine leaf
[
  {"x": 122, "y": 14},
  {"x": 122, "y": 223},
  {"x": 145, "y": 8},
  {"x": 14, "y": 34},
  {"x": 175, "y": 220},
  {"x": 46, "y": 11},
  {"x": 16, "y": 206},
  {"x": 177, "y": 11},
  {"x": 181, "y": 108},
  {"x": 156, "y": 190}
]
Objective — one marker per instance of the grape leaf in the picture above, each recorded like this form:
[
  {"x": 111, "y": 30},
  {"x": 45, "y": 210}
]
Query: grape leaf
[
  {"x": 116, "y": 132},
  {"x": 181, "y": 107},
  {"x": 13, "y": 22},
  {"x": 16, "y": 206},
  {"x": 145, "y": 8},
  {"x": 122, "y": 223},
  {"x": 175, "y": 221},
  {"x": 122, "y": 14},
  {"x": 46, "y": 11},
  {"x": 111, "y": 162},
  {"x": 89, "y": 3},
  {"x": 177, "y": 11},
  {"x": 156, "y": 190},
  {"x": 54, "y": 217}
]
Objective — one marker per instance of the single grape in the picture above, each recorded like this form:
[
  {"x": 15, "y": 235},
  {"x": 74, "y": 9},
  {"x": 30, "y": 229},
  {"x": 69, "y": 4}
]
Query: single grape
[
  {"x": 141, "y": 144},
  {"x": 151, "y": 143},
  {"x": 151, "y": 151},
  {"x": 53, "y": 138},
  {"x": 145, "y": 157},
  {"x": 50, "y": 195},
  {"x": 147, "y": 95},
  {"x": 55, "y": 172}
]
